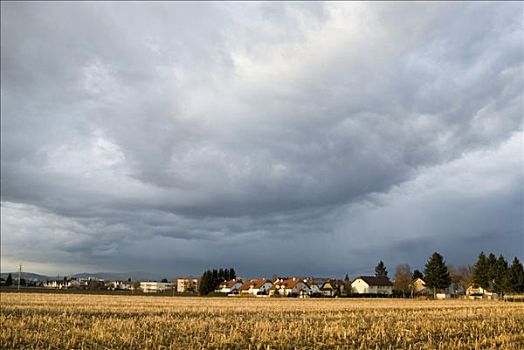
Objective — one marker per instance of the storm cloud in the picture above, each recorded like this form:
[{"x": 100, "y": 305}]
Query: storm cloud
[{"x": 288, "y": 138}]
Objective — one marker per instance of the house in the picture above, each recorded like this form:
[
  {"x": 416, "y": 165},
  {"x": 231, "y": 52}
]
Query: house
[
  {"x": 155, "y": 287},
  {"x": 289, "y": 287},
  {"x": 418, "y": 286},
  {"x": 57, "y": 284},
  {"x": 187, "y": 285},
  {"x": 331, "y": 288},
  {"x": 230, "y": 287},
  {"x": 475, "y": 291},
  {"x": 314, "y": 289},
  {"x": 256, "y": 287},
  {"x": 118, "y": 285},
  {"x": 372, "y": 285}
]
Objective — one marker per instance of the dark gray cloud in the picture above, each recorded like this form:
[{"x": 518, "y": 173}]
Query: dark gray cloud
[{"x": 276, "y": 137}]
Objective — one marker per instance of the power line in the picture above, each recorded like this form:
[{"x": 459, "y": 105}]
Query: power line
[{"x": 19, "y": 275}]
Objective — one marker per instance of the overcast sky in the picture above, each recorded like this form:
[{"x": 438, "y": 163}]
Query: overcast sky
[{"x": 286, "y": 138}]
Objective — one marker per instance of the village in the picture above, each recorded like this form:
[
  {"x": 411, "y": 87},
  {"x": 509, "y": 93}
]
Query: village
[
  {"x": 488, "y": 278},
  {"x": 360, "y": 286}
]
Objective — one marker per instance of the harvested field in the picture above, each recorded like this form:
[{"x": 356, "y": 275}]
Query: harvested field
[{"x": 72, "y": 321}]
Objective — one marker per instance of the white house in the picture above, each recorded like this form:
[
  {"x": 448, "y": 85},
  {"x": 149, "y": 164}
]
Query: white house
[
  {"x": 314, "y": 290},
  {"x": 58, "y": 284},
  {"x": 475, "y": 291},
  {"x": 372, "y": 285},
  {"x": 155, "y": 287},
  {"x": 230, "y": 287},
  {"x": 119, "y": 285},
  {"x": 256, "y": 287},
  {"x": 289, "y": 286}
]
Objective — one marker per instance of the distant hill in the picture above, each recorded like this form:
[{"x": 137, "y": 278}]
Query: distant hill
[
  {"x": 135, "y": 275},
  {"x": 26, "y": 275},
  {"x": 108, "y": 276}
]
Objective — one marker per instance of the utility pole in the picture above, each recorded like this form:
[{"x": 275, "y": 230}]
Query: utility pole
[{"x": 19, "y": 275}]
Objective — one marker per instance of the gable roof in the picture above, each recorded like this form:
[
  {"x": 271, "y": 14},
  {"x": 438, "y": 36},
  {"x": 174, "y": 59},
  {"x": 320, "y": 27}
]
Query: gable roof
[
  {"x": 255, "y": 284},
  {"x": 230, "y": 283},
  {"x": 287, "y": 283},
  {"x": 332, "y": 284},
  {"x": 375, "y": 280}
]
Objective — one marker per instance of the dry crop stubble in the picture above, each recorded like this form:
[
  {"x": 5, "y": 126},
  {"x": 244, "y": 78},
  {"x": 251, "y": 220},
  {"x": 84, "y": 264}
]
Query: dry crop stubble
[{"x": 75, "y": 321}]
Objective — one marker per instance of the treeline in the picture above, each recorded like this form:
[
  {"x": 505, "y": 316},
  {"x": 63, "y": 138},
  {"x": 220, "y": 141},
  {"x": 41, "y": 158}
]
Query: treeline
[
  {"x": 211, "y": 279},
  {"x": 495, "y": 274},
  {"x": 489, "y": 272},
  {"x": 436, "y": 275}
]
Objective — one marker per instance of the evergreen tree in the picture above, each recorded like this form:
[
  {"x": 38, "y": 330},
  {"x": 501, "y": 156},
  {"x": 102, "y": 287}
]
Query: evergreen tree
[
  {"x": 380, "y": 269},
  {"x": 492, "y": 269},
  {"x": 221, "y": 273},
  {"x": 516, "y": 276},
  {"x": 9, "y": 280},
  {"x": 232, "y": 274},
  {"x": 226, "y": 275},
  {"x": 417, "y": 274},
  {"x": 205, "y": 283},
  {"x": 347, "y": 278},
  {"x": 481, "y": 274},
  {"x": 501, "y": 281},
  {"x": 436, "y": 274}
]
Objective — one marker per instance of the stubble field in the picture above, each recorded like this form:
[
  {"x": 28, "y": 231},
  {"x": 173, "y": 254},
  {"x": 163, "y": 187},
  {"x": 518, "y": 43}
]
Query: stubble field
[{"x": 72, "y": 321}]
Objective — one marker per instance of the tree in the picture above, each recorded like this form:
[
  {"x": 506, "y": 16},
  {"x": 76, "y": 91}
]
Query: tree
[
  {"x": 9, "y": 280},
  {"x": 205, "y": 282},
  {"x": 380, "y": 269},
  {"x": 402, "y": 279},
  {"x": 346, "y": 279},
  {"x": 232, "y": 274},
  {"x": 516, "y": 276},
  {"x": 164, "y": 280},
  {"x": 492, "y": 269},
  {"x": 417, "y": 274},
  {"x": 454, "y": 274},
  {"x": 501, "y": 281},
  {"x": 466, "y": 275},
  {"x": 436, "y": 274},
  {"x": 481, "y": 273}
]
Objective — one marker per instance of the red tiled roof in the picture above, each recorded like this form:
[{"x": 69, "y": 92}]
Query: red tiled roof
[
  {"x": 255, "y": 284},
  {"x": 229, "y": 284},
  {"x": 288, "y": 283}
]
